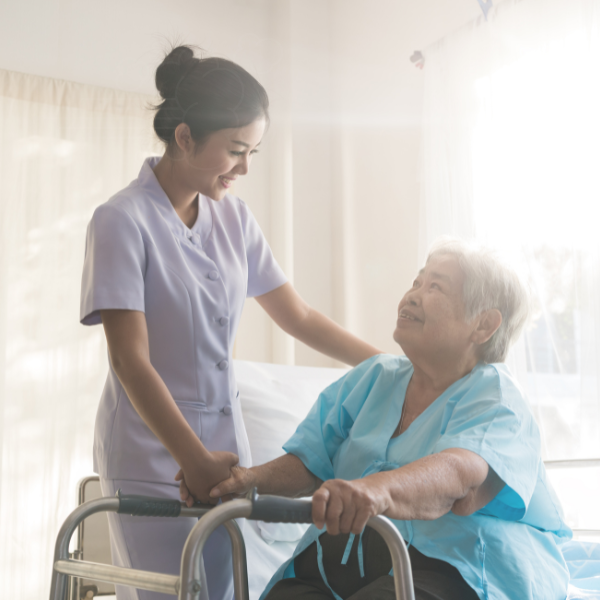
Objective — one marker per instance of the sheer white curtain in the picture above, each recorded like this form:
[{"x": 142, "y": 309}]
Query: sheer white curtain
[
  {"x": 64, "y": 149},
  {"x": 511, "y": 152}
]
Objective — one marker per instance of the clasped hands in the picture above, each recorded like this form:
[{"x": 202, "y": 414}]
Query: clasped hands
[{"x": 342, "y": 506}]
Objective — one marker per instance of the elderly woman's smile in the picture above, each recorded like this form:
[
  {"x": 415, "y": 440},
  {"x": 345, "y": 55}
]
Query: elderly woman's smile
[
  {"x": 407, "y": 315},
  {"x": 432, "y": 328}
]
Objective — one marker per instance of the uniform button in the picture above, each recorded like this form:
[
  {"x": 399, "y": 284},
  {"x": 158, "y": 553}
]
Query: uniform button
[
  {"x": 189, "y": 235},
  {"x": 213, "y": 275},
  {"x": 227, "y": 410},
  {"x": 223, "y": 321},
  {"x": 195, "y": 239},
  {"x": 223, "y": 365}
]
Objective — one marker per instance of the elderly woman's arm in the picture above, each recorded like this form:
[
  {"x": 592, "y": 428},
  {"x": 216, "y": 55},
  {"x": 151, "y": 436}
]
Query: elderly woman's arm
[
  {"x": 454, "y": 480},
  {"x": 284, "y": 476}
]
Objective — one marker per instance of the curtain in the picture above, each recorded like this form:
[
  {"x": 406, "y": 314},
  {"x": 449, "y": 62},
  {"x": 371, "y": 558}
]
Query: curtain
[
  {"x": 64, "y": 149},
  {"x": 510, "y": 155}
]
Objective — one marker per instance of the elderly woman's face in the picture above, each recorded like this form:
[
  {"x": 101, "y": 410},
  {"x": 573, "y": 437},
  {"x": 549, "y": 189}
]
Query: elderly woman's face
[{"x": 431, "y": 317}]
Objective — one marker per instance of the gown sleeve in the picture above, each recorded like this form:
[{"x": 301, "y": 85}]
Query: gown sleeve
[
  {"x": 493, "y": 421},
  {"x": 114, "y": 265},
  {"x": 264, "y": 274},
  {"x": 329, "y": 421}
]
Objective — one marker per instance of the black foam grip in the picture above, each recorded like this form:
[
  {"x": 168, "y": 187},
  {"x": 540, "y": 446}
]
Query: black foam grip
[
  {"x": 146, "y": 506},
  {"x": 275, "y": 509}
]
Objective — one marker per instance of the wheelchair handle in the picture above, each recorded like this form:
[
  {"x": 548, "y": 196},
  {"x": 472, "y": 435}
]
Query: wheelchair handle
[{"x": 275, "y": 509}]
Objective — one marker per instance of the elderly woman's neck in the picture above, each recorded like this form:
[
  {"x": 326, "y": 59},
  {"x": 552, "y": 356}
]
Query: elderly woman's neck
[{"x": 437, "y": 377}]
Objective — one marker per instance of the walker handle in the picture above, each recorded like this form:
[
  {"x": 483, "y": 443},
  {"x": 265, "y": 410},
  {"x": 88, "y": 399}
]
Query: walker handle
[
  {"x": 146, "y": 506},
  {"x": 275, "y": 509}
]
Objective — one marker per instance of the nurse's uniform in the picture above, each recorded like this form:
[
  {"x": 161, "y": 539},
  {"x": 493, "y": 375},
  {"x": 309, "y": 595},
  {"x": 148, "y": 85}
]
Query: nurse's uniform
[{"x": 191, "y": 285}]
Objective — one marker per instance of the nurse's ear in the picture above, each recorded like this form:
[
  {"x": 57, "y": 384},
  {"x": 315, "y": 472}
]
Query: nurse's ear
[{"x": 184, "y": 139}]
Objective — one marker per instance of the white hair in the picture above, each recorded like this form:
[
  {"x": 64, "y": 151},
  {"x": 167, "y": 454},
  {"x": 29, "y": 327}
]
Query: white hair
[{"x": 489, "y": 283}]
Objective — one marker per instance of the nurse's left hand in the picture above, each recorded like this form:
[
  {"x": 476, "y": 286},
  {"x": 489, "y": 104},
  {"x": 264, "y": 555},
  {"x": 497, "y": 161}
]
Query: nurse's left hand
[
  {"x": 198, "y": 478},
  {"x": 346, "y": 506},
  {"x": 184, "y": 492}
]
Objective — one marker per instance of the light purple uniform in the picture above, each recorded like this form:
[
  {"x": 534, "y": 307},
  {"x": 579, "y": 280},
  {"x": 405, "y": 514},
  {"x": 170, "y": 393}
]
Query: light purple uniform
[{"x": 191, "y": 285}]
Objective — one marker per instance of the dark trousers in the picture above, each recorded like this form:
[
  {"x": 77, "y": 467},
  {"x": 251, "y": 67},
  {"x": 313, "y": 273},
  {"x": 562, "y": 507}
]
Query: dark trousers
[{"x": 433, "y": 579}]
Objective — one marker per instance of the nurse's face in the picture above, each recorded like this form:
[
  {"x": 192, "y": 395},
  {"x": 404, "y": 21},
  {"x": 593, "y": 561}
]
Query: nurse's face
[
  {"x": 212, "y": 167},
  {"x": 431, "y": 323}
]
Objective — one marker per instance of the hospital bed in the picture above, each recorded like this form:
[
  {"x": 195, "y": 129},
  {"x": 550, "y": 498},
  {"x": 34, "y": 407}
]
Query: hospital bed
[{"x": 274, "y": 399}]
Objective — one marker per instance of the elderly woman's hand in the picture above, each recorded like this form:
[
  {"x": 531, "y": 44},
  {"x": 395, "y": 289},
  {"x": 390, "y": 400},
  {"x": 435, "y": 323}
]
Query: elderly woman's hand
[
  {"x": 346, "y": 506},
  {"x": 240, "y": 481}
]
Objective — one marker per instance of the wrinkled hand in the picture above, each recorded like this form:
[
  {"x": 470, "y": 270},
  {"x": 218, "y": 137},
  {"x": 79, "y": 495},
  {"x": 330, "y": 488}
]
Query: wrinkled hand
[
  {"x": 198, "y": 480},
  {"x": 240, "y": 481},
  {"x": 346, "y": 506}
]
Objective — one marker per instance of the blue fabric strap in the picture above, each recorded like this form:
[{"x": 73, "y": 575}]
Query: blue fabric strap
[
  {"x": 348, "y": 549},
  {"x": 322, "y": 568},
  {"x": 361, "y": 562}
]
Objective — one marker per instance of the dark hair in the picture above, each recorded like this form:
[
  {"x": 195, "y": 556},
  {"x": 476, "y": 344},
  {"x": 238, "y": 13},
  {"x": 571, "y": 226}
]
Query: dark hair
[{"x": 207, "y": 94}]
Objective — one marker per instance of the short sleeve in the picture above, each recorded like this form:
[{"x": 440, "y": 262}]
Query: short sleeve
[
  {"x": 114, "y": 265},
  {"x": 264, "y": 274},
  {"x": 330, "y": 420},
  {"x": 493, "y": 421}
]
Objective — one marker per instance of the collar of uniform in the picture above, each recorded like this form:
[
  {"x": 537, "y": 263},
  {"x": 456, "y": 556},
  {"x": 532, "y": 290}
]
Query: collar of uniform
[{"x": 147, "y": 179}]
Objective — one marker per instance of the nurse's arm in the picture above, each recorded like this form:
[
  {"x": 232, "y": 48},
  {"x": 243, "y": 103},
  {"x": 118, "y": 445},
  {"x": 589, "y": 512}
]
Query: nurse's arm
[
  {"x": 287, "y": 308},
  {"x": 454, "y": 480},
  {"x": 128, "y": 348}
]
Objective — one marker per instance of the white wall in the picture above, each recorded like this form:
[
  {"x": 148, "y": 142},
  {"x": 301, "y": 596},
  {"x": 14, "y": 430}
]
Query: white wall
[
  {"x": 118, "y": 43},
  {"x": 336, "y": 186},
  {"x": 354, "y": 119}
]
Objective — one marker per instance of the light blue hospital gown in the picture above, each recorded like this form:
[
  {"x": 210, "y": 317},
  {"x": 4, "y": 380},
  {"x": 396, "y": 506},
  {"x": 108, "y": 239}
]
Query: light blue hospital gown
[{"x": 509, "y": 550}]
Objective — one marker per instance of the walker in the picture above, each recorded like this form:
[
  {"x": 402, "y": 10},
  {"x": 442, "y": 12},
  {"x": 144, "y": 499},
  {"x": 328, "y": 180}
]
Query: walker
[{"x": 191, "y": 583}]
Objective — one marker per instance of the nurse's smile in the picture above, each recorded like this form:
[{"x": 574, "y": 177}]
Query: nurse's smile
[{"x": 227, "y": 182}]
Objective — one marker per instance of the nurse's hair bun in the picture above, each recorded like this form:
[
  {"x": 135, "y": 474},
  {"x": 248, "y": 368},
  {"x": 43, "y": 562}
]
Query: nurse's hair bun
[
  {"x": 172, "y": 69},
  {"x": 207, "y": 94}
]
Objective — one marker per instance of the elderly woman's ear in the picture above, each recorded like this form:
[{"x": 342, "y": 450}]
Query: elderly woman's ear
[{"x": 486, "y": 325}]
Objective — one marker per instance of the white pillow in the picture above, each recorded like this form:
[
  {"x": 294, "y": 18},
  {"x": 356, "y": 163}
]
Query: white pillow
[{"x": 274, "y": 399}]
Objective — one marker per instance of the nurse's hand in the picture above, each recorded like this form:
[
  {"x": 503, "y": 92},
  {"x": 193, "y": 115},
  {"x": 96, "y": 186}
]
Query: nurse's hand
[
  {"x": 203, "y": 475},
  {"x": 346, "y": 506}
]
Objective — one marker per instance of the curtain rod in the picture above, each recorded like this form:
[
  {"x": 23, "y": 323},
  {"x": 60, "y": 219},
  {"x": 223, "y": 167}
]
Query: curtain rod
[{"x": 417, "y": 57}]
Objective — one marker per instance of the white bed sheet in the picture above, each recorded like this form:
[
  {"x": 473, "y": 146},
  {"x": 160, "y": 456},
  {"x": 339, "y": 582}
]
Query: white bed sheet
[
  {"x": 274, "y": 399},
  {"x": 263, "y": 559}
]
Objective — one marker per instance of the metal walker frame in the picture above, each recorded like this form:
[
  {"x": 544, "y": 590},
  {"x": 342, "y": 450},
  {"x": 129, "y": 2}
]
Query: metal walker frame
[{"x": 191, "y": 583}]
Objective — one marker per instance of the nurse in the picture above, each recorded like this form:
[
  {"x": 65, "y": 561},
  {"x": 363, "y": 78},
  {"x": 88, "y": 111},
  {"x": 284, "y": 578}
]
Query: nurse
[{"x": 169, "y": 262}]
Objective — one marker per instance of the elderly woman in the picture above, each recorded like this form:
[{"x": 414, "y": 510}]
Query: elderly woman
[{"x": 440, "y": 441}]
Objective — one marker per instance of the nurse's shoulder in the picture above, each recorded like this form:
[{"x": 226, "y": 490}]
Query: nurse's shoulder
[{"x": 136, "y": 206}]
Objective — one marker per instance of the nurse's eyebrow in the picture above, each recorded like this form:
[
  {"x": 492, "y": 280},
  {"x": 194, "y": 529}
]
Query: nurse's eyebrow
[{"x": 243, "y": 143}]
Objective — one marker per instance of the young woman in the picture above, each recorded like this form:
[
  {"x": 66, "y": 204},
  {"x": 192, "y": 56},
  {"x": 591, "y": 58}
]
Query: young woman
[{"x": 169, "y": 262}]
